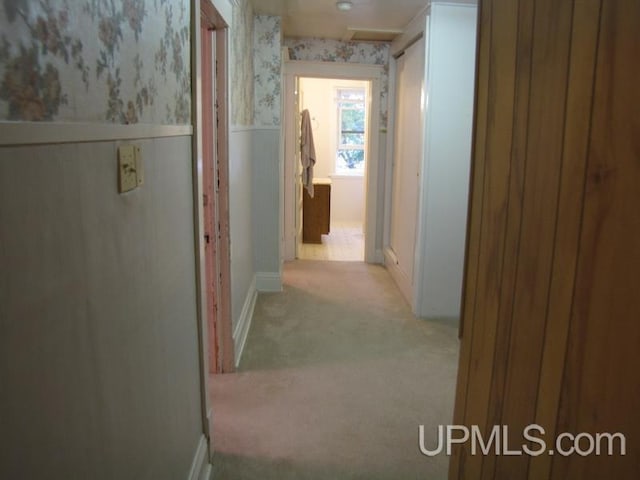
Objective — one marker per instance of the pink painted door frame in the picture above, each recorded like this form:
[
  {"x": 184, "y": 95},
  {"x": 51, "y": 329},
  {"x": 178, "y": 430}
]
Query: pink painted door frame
[
  {"x": 215, "y": 198},
  {"x": 209, "y": 202}
]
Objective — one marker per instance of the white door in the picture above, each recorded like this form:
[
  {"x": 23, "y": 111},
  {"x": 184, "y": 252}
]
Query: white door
[
  {"x": 297, "y": 177},
  {"x": 407, "y": 159}
]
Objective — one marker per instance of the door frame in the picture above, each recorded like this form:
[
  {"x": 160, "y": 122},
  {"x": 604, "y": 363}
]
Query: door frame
[
  {"x": 373, "y": 196},
  {"x": 210, "y": 199},
  {"x": 219, "y": 12}
]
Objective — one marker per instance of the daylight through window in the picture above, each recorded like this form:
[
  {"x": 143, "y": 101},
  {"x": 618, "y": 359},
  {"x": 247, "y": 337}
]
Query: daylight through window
[{"x": 350, "y": 154}]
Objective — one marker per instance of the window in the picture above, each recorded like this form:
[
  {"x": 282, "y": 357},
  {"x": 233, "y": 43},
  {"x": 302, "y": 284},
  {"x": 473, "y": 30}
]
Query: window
[{"x": 350, "y": 154}]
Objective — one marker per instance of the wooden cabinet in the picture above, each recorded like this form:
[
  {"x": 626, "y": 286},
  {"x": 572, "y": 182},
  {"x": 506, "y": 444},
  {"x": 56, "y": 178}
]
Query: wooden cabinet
[{"x": 316, "y": 212}]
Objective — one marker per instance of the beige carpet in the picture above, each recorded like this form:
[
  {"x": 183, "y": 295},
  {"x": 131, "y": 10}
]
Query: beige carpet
[{"x": 336, "y": 377}]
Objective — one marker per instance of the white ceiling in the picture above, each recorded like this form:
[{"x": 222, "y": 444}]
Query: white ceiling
[{"x": 321, "y": 18}]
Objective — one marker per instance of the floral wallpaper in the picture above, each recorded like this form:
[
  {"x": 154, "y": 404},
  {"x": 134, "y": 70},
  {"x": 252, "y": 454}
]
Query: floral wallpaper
[
  {"x": 114, "y": 61},
  {"x": 267, "y": 64},
  {"x": 327, "y": 50},
  {"x": 241, "y": 64}
]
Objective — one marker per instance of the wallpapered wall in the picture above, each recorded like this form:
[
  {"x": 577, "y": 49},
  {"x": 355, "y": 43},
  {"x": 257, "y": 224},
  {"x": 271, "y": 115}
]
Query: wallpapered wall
[
  {"x": 267, "y": 64},
  {"x": 326, "y": 50},
  {"x": 241, "y": 62},
  {"x": 114, "y": 61}
]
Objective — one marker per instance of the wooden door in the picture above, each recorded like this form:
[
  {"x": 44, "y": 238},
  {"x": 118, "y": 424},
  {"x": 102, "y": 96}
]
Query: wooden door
[{"x": 550, "y": 324}]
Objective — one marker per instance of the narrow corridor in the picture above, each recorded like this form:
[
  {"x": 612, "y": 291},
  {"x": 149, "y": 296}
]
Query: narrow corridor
[{"x": 336, "y": 378}]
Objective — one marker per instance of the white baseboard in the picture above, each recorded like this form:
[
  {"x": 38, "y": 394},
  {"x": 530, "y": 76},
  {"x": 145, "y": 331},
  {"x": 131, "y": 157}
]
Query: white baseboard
[
  {"x": 244, "y": 322},
  {"x": 207, "y": 473},
  {"x": 449, "y": 320},
  {"x": 200, "y": 466},
  {"x": 390, "y": 257},
  {"x": 404, "y": 284},
  {"x": 268, "y": 282}
]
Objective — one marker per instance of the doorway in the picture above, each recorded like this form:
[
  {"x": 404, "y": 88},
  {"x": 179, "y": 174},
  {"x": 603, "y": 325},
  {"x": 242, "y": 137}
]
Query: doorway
[
  {"x": 211, "y": 194},
  {"x": 339, "y": 111},
  {"x": 344, "y": 105}
]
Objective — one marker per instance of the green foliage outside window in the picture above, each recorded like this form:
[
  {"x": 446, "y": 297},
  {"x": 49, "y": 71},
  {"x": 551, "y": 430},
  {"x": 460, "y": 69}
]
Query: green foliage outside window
[{"x": 352, "y": 120}]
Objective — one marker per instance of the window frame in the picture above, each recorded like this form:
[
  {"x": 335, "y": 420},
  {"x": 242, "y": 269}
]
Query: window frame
[{"x": 346, "y": 104}]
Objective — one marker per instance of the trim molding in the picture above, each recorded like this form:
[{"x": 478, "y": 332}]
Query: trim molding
[
  {"x": 46, "y": 133},
  {"x": 207, "y": 473},
  {"x": 253, "y": 128},
  {"x": 415, "y": 29},
  {"x": 274, "y": 128},
  {"x": 244, "y": 322},
  {"x": 360, "y": 71},
  {"x": 200, "y": 467},
  {"x": 225, "y": 9},
  {"x": 268, "y": 282},
  {"x": 449, "y": 321},
  {"x": 391, "y": 264},
  {"x": 241, "y": 128}
]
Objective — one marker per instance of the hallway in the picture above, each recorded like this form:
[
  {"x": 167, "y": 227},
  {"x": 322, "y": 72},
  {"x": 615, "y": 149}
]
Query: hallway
[{"x": 336, "y": 377}]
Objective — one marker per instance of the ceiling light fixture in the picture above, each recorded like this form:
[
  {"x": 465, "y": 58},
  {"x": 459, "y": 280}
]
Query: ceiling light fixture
[{"x": 344, "y": 6}]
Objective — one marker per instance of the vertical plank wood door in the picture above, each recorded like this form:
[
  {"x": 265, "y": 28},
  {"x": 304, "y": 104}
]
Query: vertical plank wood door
[
  {"x": 550, "y": 331},
  {"x": 601, "y": 383}
]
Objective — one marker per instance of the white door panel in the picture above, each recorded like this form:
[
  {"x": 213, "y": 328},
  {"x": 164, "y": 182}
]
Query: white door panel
[{"x": 407, "y": 158}]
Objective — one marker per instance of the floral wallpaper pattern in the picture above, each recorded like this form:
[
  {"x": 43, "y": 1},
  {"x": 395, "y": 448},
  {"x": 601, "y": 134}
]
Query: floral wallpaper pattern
[
  {"x": 114, "y": 61},
  {"x": 241, "y": 64},
  {"x": 327, "y": 50},
  {"x": 267, "y": 64}
]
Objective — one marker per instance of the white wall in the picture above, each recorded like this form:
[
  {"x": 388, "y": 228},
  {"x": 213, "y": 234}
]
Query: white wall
[
  {"x": 99, "y": 357},
  {"x": 267, "y": 152},
  {"x": 451, "y": 75},
  {"x": 241, "y": 218},
  {"x": 266, "y": 207},
  {"x": 347, "y": 193},
  {"x": 316, "y": 95}
]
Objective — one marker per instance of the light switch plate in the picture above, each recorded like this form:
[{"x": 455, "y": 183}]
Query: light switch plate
[{"x": 128, "y": 167}]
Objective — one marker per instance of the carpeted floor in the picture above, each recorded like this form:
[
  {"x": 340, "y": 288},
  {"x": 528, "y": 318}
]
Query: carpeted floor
[{"x": 336, "y": 377}]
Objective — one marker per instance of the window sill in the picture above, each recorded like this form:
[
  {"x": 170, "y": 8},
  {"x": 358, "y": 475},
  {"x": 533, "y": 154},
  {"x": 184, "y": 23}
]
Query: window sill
[{"x": 346, "y": 175}]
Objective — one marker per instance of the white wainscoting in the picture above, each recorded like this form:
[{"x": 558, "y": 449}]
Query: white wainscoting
[{"x": 241, "y": 331}]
